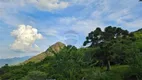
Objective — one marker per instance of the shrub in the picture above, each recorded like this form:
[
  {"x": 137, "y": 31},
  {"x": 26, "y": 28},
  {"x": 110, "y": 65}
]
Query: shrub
[{"x": 35, "y": 75}]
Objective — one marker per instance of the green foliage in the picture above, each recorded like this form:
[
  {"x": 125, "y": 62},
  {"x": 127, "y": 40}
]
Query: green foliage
[
  {"x": 66, "y": 65},
  {"x": 105, "y": 42},
  {"x": 136, "y": 67},
  {"x": 88, "y": 58},
  {"x": 97, "y": 75},
  {"x": 35, "y": 75}
]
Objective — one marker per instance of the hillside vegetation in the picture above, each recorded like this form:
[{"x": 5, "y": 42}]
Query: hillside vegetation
[{"x": 112, "y": 54}]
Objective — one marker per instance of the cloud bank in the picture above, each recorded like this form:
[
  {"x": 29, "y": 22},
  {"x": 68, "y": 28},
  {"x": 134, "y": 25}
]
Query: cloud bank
[
  {"x": 49, "y": 5},
  {"x": 25, "y": 36}
]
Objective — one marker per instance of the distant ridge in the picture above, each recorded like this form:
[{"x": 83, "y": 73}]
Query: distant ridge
[
  {"x": 49, "y": 52},
  {"x": 13, "y": 61}
]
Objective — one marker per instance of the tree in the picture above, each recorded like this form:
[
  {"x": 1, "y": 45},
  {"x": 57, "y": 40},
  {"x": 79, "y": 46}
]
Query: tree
[
  {"x": 67, "y": 64},
  {"x": 94, "y": 38},
  {"x": 104, "y": 40}
]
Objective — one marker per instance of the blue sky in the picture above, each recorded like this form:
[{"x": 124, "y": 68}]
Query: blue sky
[{"x": 28, "y": 27}]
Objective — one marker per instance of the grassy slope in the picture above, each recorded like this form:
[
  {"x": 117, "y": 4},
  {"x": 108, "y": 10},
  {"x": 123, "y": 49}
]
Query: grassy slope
[
  {"x": 117, "y": 72},
  {"x": 55, "y": 47}
]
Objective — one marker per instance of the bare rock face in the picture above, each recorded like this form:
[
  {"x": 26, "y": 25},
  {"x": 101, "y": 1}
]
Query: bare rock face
[{"x": 55, "y": 48}]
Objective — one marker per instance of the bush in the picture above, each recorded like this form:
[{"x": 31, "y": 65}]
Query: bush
[
  {"x": 136, "y": 67},
  {"x": 35, "y": 75},
  {"x": 98, "y": 75}
]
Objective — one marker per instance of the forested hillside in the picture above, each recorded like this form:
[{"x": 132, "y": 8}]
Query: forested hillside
[{"x": 112, "y": 54}]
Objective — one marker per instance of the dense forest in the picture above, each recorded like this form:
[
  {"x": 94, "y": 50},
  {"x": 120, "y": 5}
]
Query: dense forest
[{"x": 109, "y": 54}]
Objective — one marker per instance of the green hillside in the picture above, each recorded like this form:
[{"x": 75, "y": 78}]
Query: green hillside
[{"x": 113, "y": 54}]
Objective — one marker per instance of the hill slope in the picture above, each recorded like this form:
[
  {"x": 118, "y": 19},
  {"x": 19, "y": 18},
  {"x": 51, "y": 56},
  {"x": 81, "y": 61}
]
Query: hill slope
[{"x": 49, "y": 52}]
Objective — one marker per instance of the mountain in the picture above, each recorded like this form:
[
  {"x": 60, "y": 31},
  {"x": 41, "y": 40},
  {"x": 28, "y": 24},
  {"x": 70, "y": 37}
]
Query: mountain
[
  {"x": 13, "y": 61},
  {"x": 55, "y": 48}
]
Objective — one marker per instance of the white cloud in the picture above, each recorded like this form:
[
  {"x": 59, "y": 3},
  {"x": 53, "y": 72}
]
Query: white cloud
[
  {"x": 46, "y": 5},
  {"x": 49, "y": 5},
  {"x": 117, "y": 13},
  {"x": 86, "y": 26},
  {"x": 51, "y": 32},
  {"x": 137, "y": 24},
  {"x": 10, "y": 8},
  {"x": 83, "y": 26},
  {"x": 25, "y": 36}
]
